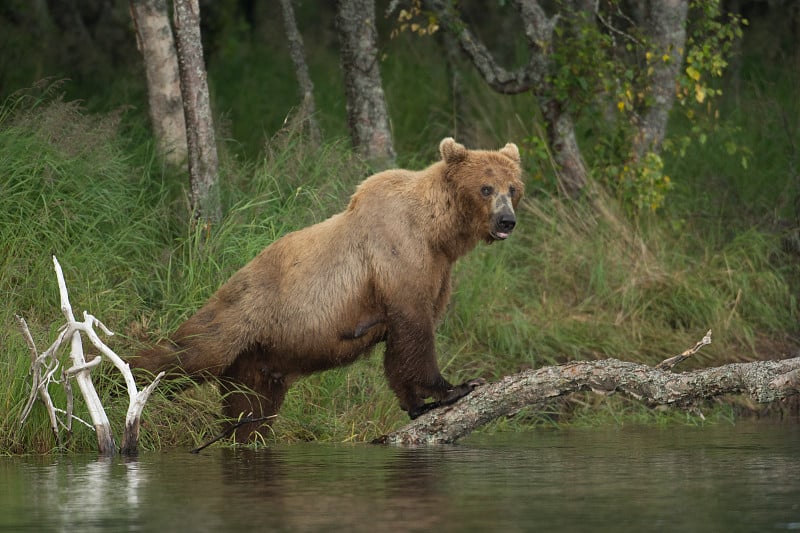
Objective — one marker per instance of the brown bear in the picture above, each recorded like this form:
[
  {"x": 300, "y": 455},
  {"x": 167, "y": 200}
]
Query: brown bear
[{"x": 322, "y": 296}]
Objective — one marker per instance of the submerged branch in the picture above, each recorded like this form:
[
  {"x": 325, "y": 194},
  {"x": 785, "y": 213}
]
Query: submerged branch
[
  {"x": 246, "y": 420},
  {"x": 764, "y": 381}
]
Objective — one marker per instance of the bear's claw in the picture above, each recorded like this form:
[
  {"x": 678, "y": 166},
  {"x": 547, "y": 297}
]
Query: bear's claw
[{"x": 458, "y": 393}]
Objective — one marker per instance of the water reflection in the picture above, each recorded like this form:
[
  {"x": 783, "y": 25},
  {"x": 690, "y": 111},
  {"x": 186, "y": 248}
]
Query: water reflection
[
  {"x": 75, "y": 493},
  {"x": 310, "y": 487},
  {"x": 742, "y": 478}
]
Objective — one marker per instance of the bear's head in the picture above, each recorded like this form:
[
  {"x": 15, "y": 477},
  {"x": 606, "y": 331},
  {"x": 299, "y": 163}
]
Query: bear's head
[{"x": 488, "y": 187}]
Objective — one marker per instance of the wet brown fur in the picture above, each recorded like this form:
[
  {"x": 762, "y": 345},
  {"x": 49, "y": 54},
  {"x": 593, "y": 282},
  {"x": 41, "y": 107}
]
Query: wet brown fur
[{"x": 321, "y": 297}]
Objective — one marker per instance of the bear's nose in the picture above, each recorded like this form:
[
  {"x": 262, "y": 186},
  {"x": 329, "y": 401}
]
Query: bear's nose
[{"x": 506, "y": 222}]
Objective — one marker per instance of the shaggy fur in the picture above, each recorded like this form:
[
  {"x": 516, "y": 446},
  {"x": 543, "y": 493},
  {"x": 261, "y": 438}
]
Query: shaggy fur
[{"x": 321, "y": 297}]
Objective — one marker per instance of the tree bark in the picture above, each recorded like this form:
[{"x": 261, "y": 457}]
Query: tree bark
[
  {"x": 308, "y": 108},
  {"x": 665, "y": 24},
  {"x": 538, "y": 31},
  {"x": 571, "y": 170},
  {"x": 764, "y": 381},
  {"x": 367, "y": 114},
  {"x": 157, "y": 45},
  {"x": 202, "y": 148}
]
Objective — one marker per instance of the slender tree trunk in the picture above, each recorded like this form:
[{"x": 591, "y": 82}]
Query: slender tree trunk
[
  {"x": 157, "y": 45},
  {"x": 461, "y": 129},
  {"x": 367, "y": 115},
  {"x": 297, "y": 52},
  {"x": 665, "y": 24},
  {"x": 203, "y": 162},
  {"x": 570, "y": 168}
]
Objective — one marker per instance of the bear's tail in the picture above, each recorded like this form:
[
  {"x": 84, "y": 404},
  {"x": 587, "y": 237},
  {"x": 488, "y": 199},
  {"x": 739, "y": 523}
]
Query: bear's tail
[
  {"x": 161, "y": 357},
  {"x": 175, "y": 359},
  {"x": 201, "y": 347}
]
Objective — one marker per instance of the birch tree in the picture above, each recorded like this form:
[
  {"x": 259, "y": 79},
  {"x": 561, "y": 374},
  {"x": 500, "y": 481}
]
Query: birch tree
[
  {"x": 665, "y": 23},
  {"x": 297, "y": 52},
  {"x": 201, "y": 144},
  {"x": 367, "y": 114},
  {"x": 155, "y": 41}
]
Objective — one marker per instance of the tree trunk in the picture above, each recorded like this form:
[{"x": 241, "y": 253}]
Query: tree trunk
[
  {"x": 665, "y": 24},
  {"x": 764, "y": 381},
  {"x": 570, "y": 168},
  {"x": 155, "y": 41},
  {"x": 297, "y": 52},
  {"x": 203, "y": 162},
  {"x": 367, "y": 115}
]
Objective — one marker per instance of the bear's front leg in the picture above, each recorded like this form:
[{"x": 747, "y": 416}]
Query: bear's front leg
[{"x": 412, "y": 371}]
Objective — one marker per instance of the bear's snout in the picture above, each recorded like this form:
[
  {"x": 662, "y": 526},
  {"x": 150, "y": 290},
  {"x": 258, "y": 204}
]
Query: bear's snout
[
  {"x": 506, "y": 222},
  {"x": 503, "y": 218},
  {"x": 503, "y": 225}
]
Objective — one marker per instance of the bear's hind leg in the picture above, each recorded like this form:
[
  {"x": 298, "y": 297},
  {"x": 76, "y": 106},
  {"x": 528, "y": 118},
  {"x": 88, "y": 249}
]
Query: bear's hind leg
[{"x": 250, "y": 390}]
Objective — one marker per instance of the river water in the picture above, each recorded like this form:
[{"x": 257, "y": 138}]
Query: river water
[{"x": 743, "y": 477}]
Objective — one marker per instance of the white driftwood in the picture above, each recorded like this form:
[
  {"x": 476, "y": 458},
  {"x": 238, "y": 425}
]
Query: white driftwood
[
  {"x": 43, "y": 369},
  {"x": 764, "y": 381}
]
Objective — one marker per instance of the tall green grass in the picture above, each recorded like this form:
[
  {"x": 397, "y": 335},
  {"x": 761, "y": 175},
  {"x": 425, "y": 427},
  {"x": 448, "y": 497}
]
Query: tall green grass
[
  {"x": 117, "y": 223},
  {"x": 574, "y": 281}
]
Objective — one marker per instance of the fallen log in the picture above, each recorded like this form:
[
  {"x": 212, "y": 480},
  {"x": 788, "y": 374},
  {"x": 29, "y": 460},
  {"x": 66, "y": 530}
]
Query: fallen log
[{"x": 764, "y": 381}]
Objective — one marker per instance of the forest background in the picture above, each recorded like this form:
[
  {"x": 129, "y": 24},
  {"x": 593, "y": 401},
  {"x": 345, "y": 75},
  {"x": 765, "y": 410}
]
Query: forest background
[{"x": 638, "y": 267}]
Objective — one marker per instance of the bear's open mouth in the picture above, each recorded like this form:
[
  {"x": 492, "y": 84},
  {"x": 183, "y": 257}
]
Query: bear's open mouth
[{"x": 499, "y": 235}]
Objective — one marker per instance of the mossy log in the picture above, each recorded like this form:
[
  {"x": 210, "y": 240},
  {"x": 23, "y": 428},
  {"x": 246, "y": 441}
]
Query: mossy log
[{"x": 764, "y": 381}]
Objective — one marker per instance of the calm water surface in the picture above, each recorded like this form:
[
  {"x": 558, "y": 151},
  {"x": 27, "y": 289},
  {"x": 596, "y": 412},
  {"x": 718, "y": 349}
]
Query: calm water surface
[{"x": 723, "y": 478}]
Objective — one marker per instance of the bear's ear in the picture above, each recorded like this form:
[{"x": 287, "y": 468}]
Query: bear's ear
[
  {"x": 451, "y": 151},
  {"x": 511, "y": 151}
]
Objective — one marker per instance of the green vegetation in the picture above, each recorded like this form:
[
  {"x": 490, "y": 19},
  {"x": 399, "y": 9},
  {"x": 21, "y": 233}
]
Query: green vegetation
[{"x": 572, "y": 283}]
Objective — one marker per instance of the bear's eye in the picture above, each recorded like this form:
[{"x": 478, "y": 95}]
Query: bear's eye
[{"x": 486, "y": 190}]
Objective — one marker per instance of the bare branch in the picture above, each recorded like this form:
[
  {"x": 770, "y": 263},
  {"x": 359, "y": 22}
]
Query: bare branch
[
  {"x": 667, "y": 364},
  {"x": 85, "y": 366},
  {"x": 538, "y": 31},
  {"x": 102, "y": 426},
  {"x": 44, "y": 366},
  {"x": 130, "y": 438}
]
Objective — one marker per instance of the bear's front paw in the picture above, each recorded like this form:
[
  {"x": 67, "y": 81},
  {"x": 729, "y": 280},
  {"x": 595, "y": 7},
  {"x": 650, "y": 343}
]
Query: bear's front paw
[
  {"x": 416, "y": 412},
  {"x": 455, "y": 394}
]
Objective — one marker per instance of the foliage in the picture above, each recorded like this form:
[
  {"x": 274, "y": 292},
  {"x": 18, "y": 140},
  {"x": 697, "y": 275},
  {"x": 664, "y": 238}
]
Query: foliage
[
  {"x": 604, "y": 67},
  {"x": 711, "y": 42},
  {"x": 415, "y": 20},
  {"x": 709, "y": 45}
]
